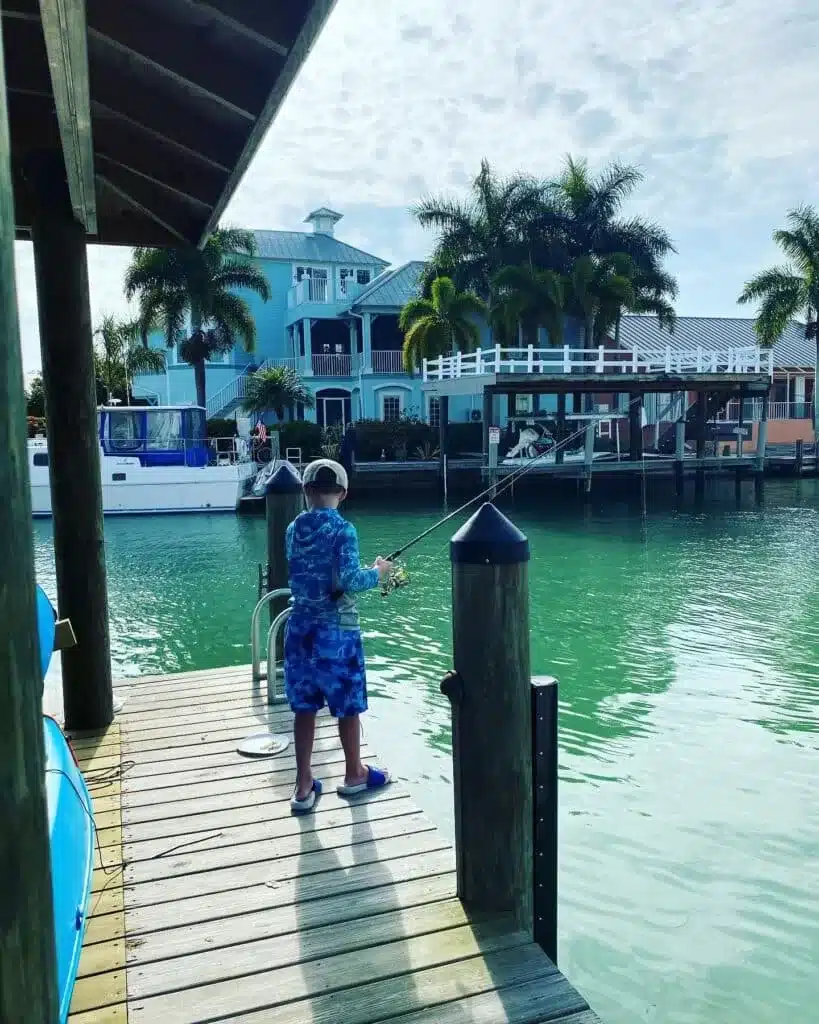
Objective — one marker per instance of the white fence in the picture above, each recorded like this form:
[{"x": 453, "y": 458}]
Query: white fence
[
  {"x": 387, "y": 361},
  {"x": 600, "y": 360},
  {"x": 332, "y": 365}
]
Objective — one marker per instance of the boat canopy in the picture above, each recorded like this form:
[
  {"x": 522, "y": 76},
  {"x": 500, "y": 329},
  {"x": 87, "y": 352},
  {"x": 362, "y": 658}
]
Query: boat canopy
[{"x": 158, "y": 435}]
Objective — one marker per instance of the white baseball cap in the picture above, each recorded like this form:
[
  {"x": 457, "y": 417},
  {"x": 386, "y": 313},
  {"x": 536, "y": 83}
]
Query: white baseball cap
[{"x": 325, "y": 473}]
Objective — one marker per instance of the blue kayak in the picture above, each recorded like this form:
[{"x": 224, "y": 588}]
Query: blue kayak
[{"x": 70, "y": 830}]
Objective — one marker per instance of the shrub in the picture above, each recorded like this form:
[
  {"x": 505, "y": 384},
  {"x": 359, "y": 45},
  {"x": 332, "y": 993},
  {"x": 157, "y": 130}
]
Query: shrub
[
  {"x": 300, "y": 434},
  {"x": 221, "y": 428},
  {"x": 396, "y": 438},
  {"x": 331, "y": 441},
  {"x": 465, "y": 438},
  {"x": 36, "y": 425}
]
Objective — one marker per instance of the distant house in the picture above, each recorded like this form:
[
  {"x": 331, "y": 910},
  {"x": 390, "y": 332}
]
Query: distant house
[{"x": 333, "y": 316}]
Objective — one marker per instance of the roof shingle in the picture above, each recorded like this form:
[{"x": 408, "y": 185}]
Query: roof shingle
[
  {"x": 311, "y": 247},
  {"x": 393, "y": 288},
  {"x": 792, "y": 350}
]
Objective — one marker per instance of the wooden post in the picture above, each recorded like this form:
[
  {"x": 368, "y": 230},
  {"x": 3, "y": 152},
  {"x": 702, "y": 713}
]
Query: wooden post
[
  {"x": 283, "y": 500},
  {"x": 491, "y": 699},
  {"x": 635, "y": 426},
  {"x": 73, "y": 444},
  {"x": 800, "y": 457},
  {"x": 762, "y": 438},
  {"x": 487, "y": 420},
  {"x": 679, "y": 456},
  {"x": 561, "y": 427},
  {"x": 588, "y": 459},
  {"x": 28, "y": 968},
  {"x": 700, "y": 414},
  {"x": 544, "y": 798},
  {"x": 741, "y": 425},
  {"x": 443, "y": 435}
]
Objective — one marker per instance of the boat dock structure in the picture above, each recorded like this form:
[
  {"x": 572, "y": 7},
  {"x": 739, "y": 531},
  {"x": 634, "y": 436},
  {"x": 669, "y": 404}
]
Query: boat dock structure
[{"x": 211, "y": 902}]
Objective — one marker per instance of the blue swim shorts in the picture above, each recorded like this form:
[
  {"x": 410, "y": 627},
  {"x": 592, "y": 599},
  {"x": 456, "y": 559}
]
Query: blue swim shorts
[{"x": 324, "y": 664}]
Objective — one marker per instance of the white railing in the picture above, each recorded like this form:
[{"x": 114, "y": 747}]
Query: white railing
[
  {"x": 387, "y": 361},
  {"x": 598, "y": 360},
  {"x": 309, "y": 289},
  {"x": 752, "y": 411},
  {"x": 333, "y": 365},
  {"x": 233, "y": 393}
]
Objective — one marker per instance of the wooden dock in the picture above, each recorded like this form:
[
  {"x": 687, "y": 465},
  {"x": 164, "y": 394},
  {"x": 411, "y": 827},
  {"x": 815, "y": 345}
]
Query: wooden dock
[{"x": 211, "y": 902}]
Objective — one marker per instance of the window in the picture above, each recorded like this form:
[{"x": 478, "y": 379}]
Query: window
[
  {"x": 316, "y": 273},
  {"x": 118, "y": 477},
  {"x": 40, "y": 459},
  {"x": 164, "y": 430},
  {"x": 523, "y": 405},
  {"x": 362, "y": 277},
  {"x": 391, "y": 405},
  {"x": 434, "y": 412},
  {"x": 124, "y": 431},
  {"x": 348, "y": 275}
]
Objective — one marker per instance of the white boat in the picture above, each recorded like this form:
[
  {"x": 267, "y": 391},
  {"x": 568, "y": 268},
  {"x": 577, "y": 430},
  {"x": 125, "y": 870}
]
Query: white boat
[{"x": 156, "y": 459}]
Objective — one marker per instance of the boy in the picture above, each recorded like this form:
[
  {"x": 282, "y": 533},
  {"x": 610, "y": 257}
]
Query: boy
[{"x": 323, "y": 654}]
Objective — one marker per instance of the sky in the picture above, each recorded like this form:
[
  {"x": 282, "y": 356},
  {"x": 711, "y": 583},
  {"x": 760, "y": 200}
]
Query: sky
[{"x": 714, "y": 101}]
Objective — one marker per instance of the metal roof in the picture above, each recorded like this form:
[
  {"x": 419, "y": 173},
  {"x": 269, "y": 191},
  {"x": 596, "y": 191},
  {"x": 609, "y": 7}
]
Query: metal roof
[
  {"x": 393, "y": 288},
  {"x": 792, "y": 350},
  {"x": 311, "y": 247},
  {"x": 153, "y": 108}
]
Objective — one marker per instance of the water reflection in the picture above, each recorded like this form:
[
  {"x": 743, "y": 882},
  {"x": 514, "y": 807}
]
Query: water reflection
[{"x": 686, "y": 643}]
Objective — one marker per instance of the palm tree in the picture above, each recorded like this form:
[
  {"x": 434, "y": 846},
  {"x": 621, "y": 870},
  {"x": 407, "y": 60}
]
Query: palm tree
[
  {"x": 593, "y": 228},
  {"x": 530, "y": 299},
  {"x": 481, "y": 235},
  {"x": 276, "y": 389},
  {"x": 790, "y": 291},
  {"x": 176, "y": 286},
  {"x": 438, "y": 325},
  {"x": 119, "y": 354},
  {"x": 596, "y": 289}
]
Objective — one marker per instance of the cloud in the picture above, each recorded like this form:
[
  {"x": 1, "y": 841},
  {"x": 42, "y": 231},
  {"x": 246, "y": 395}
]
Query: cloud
[{"x": 713, "y": 100}]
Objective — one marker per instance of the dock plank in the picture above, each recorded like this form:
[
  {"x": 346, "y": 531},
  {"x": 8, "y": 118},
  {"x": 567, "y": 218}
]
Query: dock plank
[{"x": 217, "y": 904}]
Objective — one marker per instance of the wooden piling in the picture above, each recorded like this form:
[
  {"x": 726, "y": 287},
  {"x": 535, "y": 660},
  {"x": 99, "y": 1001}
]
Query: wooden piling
[
  {"x": 561, "y": 427},
  {"x": 679, "y": 457},
  {"x": 635, "y": 426},
  {"x": 28, "y": 987},
  {"x": 492, "y": 716},
  {"x": 283, "y": 499},
  {"x": 488, "y": 405},
  {"x": 443, "y": 437},
  {"x": 588, "y": 459},
  {"x": 544, "y": 797},
  {"x": 799, "y": 457},
  {"x": 61, "y": 270},
  {"x": 700, "y": 419}
]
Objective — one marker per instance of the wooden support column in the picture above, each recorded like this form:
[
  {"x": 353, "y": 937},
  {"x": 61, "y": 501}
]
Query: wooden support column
[
  {"x": 28, "y": 968},
  {"x": 561, "y": 426},
  {"x": 741, "y": 425},
  {"x": 700, "y": 414},
  {"x": 544, "y": 759},
  {"x": 73, "y": 444},
  {"x": 488, "y": 405},
  {"x": 588, "y": 459},
  {"x": 762, "y": 438},
  {"x": 443, "y": 440},
  {"x": 491, "y": 699},
  {"x": 635, "y": 426},
  {"x": 283, "y": 500},
  {"x": 679, "y": 456}
]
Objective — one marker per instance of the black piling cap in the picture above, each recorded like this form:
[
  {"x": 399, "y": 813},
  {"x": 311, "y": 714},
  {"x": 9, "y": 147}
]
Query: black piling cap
[
  {"x": 285, "y": 480},
  {"x": 489, "y": 538}
]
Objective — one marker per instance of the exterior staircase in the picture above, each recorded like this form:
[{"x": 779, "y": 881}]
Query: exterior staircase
[
  {"x": 228, "y": 398},
  {"x": 668, "y": 435}
]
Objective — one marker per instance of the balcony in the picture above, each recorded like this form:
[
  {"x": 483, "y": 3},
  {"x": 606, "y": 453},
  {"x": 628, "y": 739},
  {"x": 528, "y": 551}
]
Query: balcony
[
  {"x": 334, "y": 365},
  {"x": 323, "y": 291},
  {"x": 752, "y": 411},
  {"x": 387, "y": 361}
]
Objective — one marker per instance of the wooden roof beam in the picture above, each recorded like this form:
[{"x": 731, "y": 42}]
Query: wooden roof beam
[
  {"x": 319, "y": 13},
  {"x": 64, "y": 31},
  {"x": 232, "y": 22},
  {"x": 135, "y": 204},
  {"x": 200, "y": 60}
]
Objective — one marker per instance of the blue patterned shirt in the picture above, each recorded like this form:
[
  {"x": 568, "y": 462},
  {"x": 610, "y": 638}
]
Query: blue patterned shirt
[{"x": 323, "y": 558}]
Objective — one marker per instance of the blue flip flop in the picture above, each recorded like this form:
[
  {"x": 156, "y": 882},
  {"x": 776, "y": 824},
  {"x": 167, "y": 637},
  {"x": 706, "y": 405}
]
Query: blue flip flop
[
  {"x": 309, "y": 802},
  {"x": 377, "y": 778}
]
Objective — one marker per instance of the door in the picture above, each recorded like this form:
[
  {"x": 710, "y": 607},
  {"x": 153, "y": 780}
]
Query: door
[{"x": 333, "y": 408}]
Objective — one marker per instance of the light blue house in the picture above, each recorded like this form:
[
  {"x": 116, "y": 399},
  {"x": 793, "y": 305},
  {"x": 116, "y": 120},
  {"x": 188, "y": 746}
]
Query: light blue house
[{"x": 333, "y": 317}]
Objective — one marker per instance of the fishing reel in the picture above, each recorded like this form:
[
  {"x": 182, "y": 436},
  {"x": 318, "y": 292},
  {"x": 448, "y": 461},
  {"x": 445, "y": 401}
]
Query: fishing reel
[{"x": 398, "y": 577}]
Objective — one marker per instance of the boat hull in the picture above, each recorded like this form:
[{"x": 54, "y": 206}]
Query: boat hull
[
  {"x": 71, "y": 836},
  {"x": 129, "y": 488}
]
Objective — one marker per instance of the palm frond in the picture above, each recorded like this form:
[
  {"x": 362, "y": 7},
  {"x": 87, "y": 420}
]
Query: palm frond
[
  {"x": 414, "y": 310},
  {"x": 233, "y": 314}
]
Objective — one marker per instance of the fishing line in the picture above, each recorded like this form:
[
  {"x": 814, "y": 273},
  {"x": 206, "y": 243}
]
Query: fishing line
[{"x": 493, "y": 489}]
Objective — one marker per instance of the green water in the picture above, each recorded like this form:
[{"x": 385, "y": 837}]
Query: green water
[{"x": 686, "y": 644}]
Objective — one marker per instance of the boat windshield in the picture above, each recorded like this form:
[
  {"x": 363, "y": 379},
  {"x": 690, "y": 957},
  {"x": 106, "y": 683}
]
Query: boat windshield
[
  {"x": 125, "y": 431},
  {"x": 163, "y": 429}
]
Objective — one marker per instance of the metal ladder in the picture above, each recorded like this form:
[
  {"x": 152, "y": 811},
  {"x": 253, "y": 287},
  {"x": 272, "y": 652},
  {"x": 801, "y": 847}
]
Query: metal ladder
[{"x": 274, "y": 671}]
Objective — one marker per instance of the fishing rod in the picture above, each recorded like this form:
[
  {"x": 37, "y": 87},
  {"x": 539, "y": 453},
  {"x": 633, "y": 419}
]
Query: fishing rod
[{"x": 398, "y": 577}]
